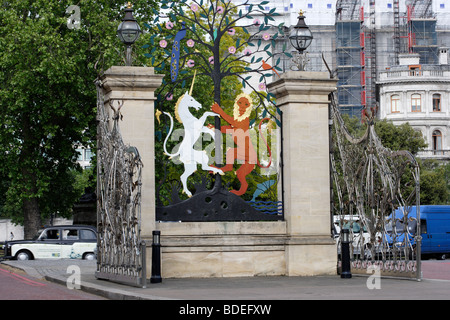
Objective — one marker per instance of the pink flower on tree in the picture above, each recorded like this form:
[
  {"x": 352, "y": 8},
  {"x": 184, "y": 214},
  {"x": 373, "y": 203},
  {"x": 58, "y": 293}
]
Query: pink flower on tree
[
  {"x": 194, "y": 7},
  {"x": 231, "y": 31},
  {"x": 266, "y": 36},
  {"x": 169, "y": 25},
  {"x": 163, "y": 43},
  {"x": 232, "y": 50},
  {"x": 247, "y": 52},
  {"x": 190, "y": 63},
  {"x": 190, "y": 43}
]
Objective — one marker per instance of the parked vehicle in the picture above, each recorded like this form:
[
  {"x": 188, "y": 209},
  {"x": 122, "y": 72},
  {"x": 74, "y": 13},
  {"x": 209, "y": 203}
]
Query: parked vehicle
[
  {"x": 56, "y": 242},
  {"x": 359, "y": 235},
  {"x": 434, "y": 229}
]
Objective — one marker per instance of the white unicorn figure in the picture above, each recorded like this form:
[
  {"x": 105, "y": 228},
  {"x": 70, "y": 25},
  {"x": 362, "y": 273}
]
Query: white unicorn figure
[{"x": 193, "y": 128}]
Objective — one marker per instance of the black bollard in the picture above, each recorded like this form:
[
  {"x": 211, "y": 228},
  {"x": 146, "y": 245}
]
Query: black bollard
[
  {"x": 345, "y": 254},
  {"x": 156, "y": 258}
]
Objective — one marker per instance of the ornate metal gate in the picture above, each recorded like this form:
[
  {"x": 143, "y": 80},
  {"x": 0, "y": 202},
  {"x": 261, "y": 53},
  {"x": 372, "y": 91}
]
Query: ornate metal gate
[
  {"x": 375, "y": 189},
  {"x": 210, "y": 42},
  {"x": 121, "y": 252}
]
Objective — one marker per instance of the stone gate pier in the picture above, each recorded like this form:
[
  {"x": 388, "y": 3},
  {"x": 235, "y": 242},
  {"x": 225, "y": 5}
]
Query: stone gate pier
[
  {"x": 300, "y": 245},
  {"x": 303, "y": 98}
]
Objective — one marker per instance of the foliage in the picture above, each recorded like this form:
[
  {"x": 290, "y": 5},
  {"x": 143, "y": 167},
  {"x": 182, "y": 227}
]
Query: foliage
[
  {"x": 396, "y": 138},
  {"x": 48, "y": 99},
  {"x": 434, "y": 182},
  {"x": 218, "y": 44},
  {"x": 402, "y": 137}
]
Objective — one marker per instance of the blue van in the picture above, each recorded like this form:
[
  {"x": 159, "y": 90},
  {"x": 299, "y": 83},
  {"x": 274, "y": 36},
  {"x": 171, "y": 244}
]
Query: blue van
[{"x": 434, "y": 227}]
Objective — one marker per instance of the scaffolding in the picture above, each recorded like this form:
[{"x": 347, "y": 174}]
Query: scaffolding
[
  {"x": 350, "y": 57},
  {"x": 397, "y": 33},
  {"x": 420, "y": 9},
  {"x": 414, "y": 31},
  {"x": 372, "y": 58},
  {"x": 422, "y": 36}
]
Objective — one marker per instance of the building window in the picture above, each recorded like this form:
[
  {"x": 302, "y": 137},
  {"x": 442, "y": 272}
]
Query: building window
[
  {"x": 88, "y": 155},
  {"x": 416, "y": 102},
  {"x": 80, "y": 156},
  {"x": 395, "y": 103},
  {"x": 329, "y": 6},
  {"x": 310, "y": 6},
  {"x": 442, "y": 5},
  {"x": 436, "y": 102},
  {"x": 437, "y": 142},
  {"x": 415, "y": 70}
]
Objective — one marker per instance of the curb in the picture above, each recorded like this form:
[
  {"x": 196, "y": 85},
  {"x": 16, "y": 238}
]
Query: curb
[{"x": 99, "y": 290}]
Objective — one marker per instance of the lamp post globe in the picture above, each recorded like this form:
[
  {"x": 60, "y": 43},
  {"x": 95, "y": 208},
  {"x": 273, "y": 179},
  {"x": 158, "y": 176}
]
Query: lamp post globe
[
  {"x": 128, "y": 31},
  {"x": 300, "y": 35}
]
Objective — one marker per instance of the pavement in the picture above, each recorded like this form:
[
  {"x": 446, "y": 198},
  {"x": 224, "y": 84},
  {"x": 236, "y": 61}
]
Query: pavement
[{"x": 240, "y": 288}]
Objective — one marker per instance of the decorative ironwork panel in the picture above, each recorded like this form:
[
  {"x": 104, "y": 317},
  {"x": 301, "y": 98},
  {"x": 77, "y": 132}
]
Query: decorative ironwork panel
[
  {"x": 205, "y": 195},
  {"x": 375, "y": 190},
  {"x": 121, "y": 253},
  {"x": 219, "y": 142}
]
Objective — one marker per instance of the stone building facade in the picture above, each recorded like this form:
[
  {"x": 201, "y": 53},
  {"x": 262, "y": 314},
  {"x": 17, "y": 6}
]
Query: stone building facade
[{"x": 419, "y": 94}]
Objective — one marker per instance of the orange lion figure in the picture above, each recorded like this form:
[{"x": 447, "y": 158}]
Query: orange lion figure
[{"x": 239, "y": 125}]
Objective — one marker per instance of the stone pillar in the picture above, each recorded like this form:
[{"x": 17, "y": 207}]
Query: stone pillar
[
  {"x": 303, "y": 99},
  {"x": 136, "y": 87}
]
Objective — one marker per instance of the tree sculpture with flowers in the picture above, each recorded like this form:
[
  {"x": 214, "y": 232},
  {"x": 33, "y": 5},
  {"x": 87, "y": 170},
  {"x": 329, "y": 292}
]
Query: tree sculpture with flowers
[{"x": 221, "y": 48}]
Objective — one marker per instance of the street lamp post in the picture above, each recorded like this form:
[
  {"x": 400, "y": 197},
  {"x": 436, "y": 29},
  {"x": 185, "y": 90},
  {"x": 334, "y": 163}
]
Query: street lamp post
[
  {"x": 300, "y": 38},
  {"x": 128, "y": 32}
]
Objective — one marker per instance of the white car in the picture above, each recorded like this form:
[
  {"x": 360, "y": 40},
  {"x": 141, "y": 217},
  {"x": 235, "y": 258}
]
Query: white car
[
  {"x": 357, "y": 229},
  {"x": 56, "y": 242}
]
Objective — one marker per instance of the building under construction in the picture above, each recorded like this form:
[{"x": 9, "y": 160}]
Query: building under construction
[
  {"x": 361, "y": 38},
  {"x": 370, "y": 35}
]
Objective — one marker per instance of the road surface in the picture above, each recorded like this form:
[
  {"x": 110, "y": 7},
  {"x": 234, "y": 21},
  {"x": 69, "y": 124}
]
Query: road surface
[
  {"x": 436, "y": 269},
  {"x": 15, "y": 285}
]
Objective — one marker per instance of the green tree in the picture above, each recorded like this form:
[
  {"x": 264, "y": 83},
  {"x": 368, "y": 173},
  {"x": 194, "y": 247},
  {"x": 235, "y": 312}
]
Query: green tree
[
  {"x": 396, "y": 138},
  {"x": 48, "y": 98},
  {"x": 402, "y": 137},
  {"x": 434, "y": 182},
  {"x": 433, "y": 189}
]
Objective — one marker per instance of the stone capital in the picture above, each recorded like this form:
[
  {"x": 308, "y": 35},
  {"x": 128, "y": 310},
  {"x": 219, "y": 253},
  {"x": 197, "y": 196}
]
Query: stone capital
[
  {"x": 135, "y": 83},
  {"x": 302, "y": 87}
]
